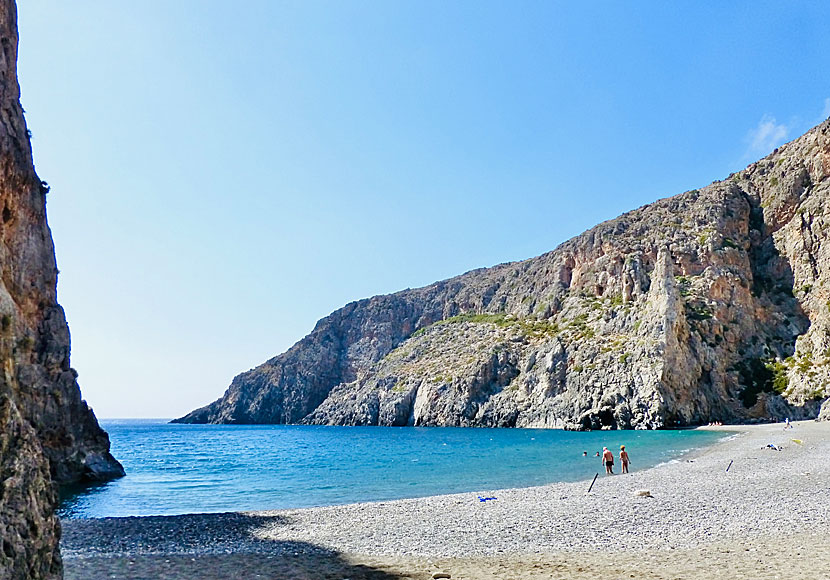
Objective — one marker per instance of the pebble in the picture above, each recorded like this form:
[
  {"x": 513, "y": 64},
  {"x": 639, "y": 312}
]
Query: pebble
[{"x": 699, "y": 504}]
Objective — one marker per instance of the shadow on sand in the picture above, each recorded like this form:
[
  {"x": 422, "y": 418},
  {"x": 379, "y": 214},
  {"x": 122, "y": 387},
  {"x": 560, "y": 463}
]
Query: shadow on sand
[
  {"x": 318, "y": 566},
  {"x": 200, "y": 547}
]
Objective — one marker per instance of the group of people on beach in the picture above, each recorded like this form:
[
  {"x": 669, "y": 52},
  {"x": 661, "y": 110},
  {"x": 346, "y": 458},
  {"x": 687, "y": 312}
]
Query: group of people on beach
[{"x": 608, "y": 459}]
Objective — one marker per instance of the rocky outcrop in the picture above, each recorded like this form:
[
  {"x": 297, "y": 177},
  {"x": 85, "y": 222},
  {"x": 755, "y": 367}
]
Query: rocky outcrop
[
  {"x": 29, "y": 528},
  {"x": 712, "y": 305},
  {"x": 34, "y": 336},
  {"x": 47, "y": 433}
]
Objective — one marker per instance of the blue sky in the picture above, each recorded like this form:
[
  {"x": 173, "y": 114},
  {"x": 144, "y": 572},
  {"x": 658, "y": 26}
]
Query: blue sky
[{"x": 225, "y": 174}]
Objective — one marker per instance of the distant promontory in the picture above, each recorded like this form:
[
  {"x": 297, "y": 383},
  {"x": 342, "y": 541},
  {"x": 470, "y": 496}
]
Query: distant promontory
[{"x": 712, "y": 305}]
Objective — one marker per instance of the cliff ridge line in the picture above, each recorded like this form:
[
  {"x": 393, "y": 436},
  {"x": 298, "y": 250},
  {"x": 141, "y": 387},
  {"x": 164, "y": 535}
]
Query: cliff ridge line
[{"x": 711, "y": 305}]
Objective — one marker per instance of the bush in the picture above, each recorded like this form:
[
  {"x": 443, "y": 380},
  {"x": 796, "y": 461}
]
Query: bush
[
  {"x": 538, "y": 328},
  {"x": 698, "y": 312},
  {"x": 761, "y": 376},
  {"x": 780, "y": 380},
  {"x": 497, "y": 319}
]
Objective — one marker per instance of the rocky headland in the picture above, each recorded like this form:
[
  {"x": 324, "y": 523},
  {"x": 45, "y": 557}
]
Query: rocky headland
[
  {"x": 48, "y": 434},
  {"x": 712, "y": 305}
]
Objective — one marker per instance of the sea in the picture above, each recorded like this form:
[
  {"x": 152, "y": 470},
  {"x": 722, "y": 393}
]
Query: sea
[{"x": 176, "y": 469}]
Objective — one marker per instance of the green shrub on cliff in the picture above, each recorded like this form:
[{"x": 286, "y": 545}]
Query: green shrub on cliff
[
  {"x": 761, "y": 376},
  {"x": 538, "y": 328},
  {"x": 729, "y": 243},
  {"x": 780, "y": 380},
  {"x": 529, "y": 327},
  {"x": 498, "y": 319}
]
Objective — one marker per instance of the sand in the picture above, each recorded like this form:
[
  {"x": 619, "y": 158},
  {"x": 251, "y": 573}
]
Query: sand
[{"x": 768, "y": 516}]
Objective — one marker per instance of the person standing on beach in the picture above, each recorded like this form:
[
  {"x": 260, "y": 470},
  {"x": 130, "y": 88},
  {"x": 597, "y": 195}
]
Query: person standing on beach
[
  {"x": 624, "y": 459},
  {"x": 608, "y": 461}
]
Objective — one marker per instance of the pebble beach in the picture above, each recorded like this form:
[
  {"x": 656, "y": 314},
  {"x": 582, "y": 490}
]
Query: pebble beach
[{"x": 766, "y": 516}]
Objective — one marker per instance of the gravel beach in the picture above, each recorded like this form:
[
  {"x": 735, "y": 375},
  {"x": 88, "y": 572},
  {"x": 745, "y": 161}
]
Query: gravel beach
[{"x": 768, "y": 516}]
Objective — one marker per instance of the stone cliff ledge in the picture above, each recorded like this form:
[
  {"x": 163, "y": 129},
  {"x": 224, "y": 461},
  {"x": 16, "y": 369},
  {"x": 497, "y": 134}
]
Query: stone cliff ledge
[{"x": 711, "y": 305}]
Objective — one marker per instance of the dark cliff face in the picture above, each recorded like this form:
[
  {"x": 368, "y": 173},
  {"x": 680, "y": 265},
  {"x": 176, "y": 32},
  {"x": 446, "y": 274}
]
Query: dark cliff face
[
  {"x": 710, "y": 305},
  {"x": 48, "y": 433},
  {"x": 35, "y": 336},
  {"x": 28, "y": 526}
]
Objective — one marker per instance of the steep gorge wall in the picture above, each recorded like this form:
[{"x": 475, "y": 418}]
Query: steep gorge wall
[
  {"x": 47, "y": 433},
  {"x": 709, "y": 305}
]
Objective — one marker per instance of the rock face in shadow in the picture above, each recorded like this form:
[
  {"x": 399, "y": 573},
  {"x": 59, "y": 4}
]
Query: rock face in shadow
[
  {"x": 712, "y": 305},
  {"x": 28, "y": 526},
  {"x": 47, "y": 433}
]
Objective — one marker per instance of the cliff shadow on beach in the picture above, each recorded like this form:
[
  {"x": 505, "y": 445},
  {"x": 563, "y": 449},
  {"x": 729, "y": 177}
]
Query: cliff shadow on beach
[
  {"x": 223, "y": 566},
  {"x": 199, "y": 546}
]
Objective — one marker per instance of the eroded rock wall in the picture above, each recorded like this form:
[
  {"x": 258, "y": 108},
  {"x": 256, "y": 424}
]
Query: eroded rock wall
[
  {"x": 48, "y": 433},
  {"x": 711, "y": 305},
  {"x": 33, "y": 329},
  {"x": 29, "y": 529}
]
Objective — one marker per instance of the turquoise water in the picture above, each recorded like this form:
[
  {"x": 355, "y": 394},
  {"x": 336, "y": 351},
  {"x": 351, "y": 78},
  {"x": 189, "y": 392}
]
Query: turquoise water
[{"x": 175, "y": 469}]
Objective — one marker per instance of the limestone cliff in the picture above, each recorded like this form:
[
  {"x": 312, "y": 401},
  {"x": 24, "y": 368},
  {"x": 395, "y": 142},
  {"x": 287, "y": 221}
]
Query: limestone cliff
[
  {"x": 47, "y": 433},
  {"x": 709, "y": 305}
]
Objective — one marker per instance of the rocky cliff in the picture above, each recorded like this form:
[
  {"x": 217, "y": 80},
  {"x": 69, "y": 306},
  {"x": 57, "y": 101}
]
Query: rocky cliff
[
  {"x": 712, "y": 305},
  {"x": 47, "y": 433}
]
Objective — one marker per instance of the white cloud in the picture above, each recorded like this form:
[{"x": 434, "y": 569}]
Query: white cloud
[
  {"x": 768, "y": 135},
  {"x": 826, "y": 112}
]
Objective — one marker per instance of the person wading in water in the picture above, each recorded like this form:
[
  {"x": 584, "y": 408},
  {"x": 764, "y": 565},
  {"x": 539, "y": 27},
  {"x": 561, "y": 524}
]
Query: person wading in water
[
  {"x": 624, "y": 459},
  {"x": 608, "y": 460}
]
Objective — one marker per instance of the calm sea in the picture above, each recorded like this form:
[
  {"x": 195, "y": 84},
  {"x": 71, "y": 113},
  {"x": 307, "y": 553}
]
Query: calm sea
[{"x": 175, "y": 469}]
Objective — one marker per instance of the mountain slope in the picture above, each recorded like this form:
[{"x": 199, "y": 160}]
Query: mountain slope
[{"x": 709, "y": 305}]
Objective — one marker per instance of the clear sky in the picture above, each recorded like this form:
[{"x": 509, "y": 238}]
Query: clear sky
[{"x": 224, "y": 173}]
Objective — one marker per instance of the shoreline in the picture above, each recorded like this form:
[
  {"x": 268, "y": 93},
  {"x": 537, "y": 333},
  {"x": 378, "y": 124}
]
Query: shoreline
[
  {"x": 769, "y": 502},
  {"x": 551, "y": 456},
  {"x": 346, "y": 465}
]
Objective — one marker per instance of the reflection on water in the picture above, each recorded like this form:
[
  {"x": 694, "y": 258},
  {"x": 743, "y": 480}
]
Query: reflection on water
[{"x": 74, "y": 496}]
